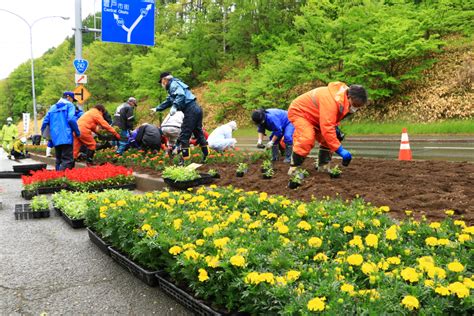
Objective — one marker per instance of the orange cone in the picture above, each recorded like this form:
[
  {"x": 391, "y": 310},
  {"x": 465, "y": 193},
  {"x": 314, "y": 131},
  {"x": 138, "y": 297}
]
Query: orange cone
[{"x": 405, "y": 151}]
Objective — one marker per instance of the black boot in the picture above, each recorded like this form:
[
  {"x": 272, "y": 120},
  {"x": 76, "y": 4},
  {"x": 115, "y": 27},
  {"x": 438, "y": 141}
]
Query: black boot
[
  {"x": 90, "y": 157},
  {"x": 205, "y": 153},
  {"x": 288, "y": 152},
  {"x": 324, "y": 158},
  {"x": 296, "y": 161},
  {"x": 275, "y": 152},
  {"x": 184, "y": 155}
]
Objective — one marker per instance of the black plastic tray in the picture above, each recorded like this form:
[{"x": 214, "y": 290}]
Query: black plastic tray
[
  {"x": 183, "y": 185},
  {"x": 25, "y": 169},
  {"x": 148, "y": 277},
  {"x": 28, "y": 195},
  {"x": 10, "y": 175},
  {"x": 23, "y": 211},
  {"x": 185, "y": 299},
  {"x": 99, "y": 242},
  {"x": 74, "y": 223}
]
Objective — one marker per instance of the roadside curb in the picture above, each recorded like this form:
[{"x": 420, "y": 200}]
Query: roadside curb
[{"x": 145, "y": 182}]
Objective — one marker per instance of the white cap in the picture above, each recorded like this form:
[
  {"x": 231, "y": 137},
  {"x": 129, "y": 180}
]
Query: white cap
[
  {"x": 23, "y": 140},
  {"x": 232, "y": 125},
  {"x": 9, "y": 119},
  {"x": 132, "y": 99}
]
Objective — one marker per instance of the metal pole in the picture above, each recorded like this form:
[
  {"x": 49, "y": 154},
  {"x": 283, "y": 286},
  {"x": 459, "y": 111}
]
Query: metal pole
[
  {"x": 78, "y": 30},
  {"x": 33, "y": 81}
]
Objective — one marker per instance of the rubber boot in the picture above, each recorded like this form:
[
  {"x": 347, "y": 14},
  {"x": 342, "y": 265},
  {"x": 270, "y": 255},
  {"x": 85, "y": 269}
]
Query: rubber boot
[
  {"x": 205, "y": 153},
  {"x": 288, "y": 152},
  {"x": 48, "y": 151},
  {"x": 184, "y": 155},
  {"x": 275, "y": 152},
  {"x": 324, "y": 159},
  {"x": 90, "y": 157},
  {"x": 296, "y": 161}
]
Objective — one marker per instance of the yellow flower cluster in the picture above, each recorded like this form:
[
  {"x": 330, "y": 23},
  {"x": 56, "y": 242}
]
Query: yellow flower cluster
[
  {"x": 410, "y": 302},
  {"x": 237, "y": 260},
  {"x": 317, "y": 304},
  {"x": 257, "y": 278}
]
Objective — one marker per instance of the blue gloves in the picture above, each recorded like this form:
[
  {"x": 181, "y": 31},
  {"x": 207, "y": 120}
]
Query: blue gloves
[{"x": 346, "y": 156}]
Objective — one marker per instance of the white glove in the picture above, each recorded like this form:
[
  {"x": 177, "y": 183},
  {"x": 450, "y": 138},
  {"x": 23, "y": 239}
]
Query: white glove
[
  {"x": 269, "y": 145},
  {"x": 153, "y": 110},
  {"x": 173, "y": 110}
]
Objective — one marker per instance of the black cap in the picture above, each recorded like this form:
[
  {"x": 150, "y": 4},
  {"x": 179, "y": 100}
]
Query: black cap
[
  {"x": 258, "y": 116},
  {"x": 163, "y": 75}
]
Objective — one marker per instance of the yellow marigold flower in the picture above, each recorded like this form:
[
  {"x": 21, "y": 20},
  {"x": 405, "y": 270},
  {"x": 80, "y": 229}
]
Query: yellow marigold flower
[
  {"x": 348, "y": 288},
  {"x": 177, "y": 223},
  {"x": 304, "y": 225},
  {"x": 459, "y": 289},
  {"x": 384, "y": 265},
  {"x": 264, "y": 213},
  {"x": 221, "y": 242},
  {"x": 460, "y": 223},
  {"x": 320, "y": 257},
  {"x": 246, "y": 217},
  {"x": 203, "y": 276},
  {"x": 464, "y": 237},
  {"x": 212, "y": 261},
  {"x": 468, "y": 230},
  {"x": 252, "y": 278},
  {"x": 411, "y": 232},
  {"x": 437, "y": 272},
  {"x": 301, "y": 210},
  {"x": 443, "y": 242},
  {"x": 281, "y": 280},
  {"x": 449, "y": 212},
  {"x": 317, "y": 304},
  {"x": 255, "y": 224},
  {"x": 121, "y": 203},
  {"x": 425, "y": 263},
  {"x": 292, "y": 275},
  {"x": 146, "y": 227},
  {"x": 393, "y": 260},
  {"x": 336, "y": 225},
  {"x": 175, "y": 250},
  {"x": 369, "y": 268},
  {"x": 189, "y": 246},
  {"x": 106, "y": 201},
  {"x": 391, "y": 233},
  {"x": 410, "y": 274},
  {"x": 284, "y": 240},
  {"x": 285, "y": 203},
  {"x": 191, "y": 254},
  {"x": 272, "y": 200},
  {"x": 384, "y": 209},
  {"x": 355, "y": 260},
  {"x": 348, "y": 229},
  {"x": 267, "y": 277},
  {"x": 263, "y": 196},
  {"x": 103, "y": 215},
  {"x": 200, "y": 242},
  {"x": 410, "y": 302},
  {"x": 208, "y": 231},
  {"x": 408, "y": 212},
  {"x": 103, "y": 208},
  {"x": 431, "y": 241},
  {"x": 357, "y": 241},
  {"x": 376, "y": 222},
  {"x": 283, "y": 229},
  {"x": 315, "y": 242},
  {"x": 112, "y": 205},
  {"x": 443, "y": 291},
  {"x": 468, "y": 282},
  {"x": 151, "y": 233},
  {"x": 429, "y": 283},
  {"x": 455, "y": 266},
  {"x": 237, "y": 261},
  {"x": 242, "y": 250},
  {"x": 372, "y": 240}
]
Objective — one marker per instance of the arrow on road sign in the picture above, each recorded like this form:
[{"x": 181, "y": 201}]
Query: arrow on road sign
[
  {"x": 81, "y": 94},
  {"x": 81, "y": 78}
]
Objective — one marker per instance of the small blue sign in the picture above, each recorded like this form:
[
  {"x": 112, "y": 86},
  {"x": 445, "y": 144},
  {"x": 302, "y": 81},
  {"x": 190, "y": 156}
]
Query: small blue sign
[
  {"x": 81, "y": 65},
  {"x": 128, "y": 21}
]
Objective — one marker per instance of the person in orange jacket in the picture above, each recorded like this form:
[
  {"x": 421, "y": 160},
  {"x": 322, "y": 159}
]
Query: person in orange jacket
[
  {"x": 88, "y": 123},
  {"x": 316, "y": 115}
]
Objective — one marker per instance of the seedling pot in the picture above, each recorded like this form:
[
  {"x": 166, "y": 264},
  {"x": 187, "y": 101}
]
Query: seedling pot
[
  {"x": 240, "y": 174},
  {"x": 293, "y": 185}
]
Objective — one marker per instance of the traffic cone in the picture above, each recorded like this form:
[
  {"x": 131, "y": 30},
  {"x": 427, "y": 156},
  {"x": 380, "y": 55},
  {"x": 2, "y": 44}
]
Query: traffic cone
[{"x": 405, "y": 151}]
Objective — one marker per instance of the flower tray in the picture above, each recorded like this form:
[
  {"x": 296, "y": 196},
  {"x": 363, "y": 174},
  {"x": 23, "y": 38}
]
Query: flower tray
[
  {"x": 183, "y": 185},
  {"x": 23, "y": 211},
  {"x": 185, "y": 299},
  {"x": 10, "y": 175},
  {"x": 148, "y": 277},
  {"x": 28, "y": 195},
  {"x": 74, "y": 223},
  {"x": 99, "y": 242},
  {"x": 293, "y": 185},
  {"x": 25, "y": 169}
]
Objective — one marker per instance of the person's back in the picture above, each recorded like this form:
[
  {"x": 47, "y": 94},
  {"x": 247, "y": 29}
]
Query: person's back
[
  {"x": 221, "y": 138},
  {"x": 122, "y": 117},
  {"x": 58, "y": 118}
]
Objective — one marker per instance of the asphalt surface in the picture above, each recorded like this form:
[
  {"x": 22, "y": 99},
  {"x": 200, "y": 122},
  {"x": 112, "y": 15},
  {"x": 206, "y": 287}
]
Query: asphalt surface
[{"x": 48, "y": 267}]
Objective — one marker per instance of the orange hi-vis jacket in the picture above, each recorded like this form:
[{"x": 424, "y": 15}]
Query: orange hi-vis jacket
[
  {"x": 315, "y": 115},
  {"x": 88, "y": 123}
]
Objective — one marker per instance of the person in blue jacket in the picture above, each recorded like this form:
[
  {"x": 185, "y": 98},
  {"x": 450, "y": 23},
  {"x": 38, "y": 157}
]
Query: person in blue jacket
[
  {"x": 276, "y": 121},
  {"x": 180, "y": 98},
  {"x": 61, "y": 122}
]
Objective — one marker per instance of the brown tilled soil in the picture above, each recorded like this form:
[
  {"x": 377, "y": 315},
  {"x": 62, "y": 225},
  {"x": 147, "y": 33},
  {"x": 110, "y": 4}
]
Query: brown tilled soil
[{"x": 426, "y": 187}]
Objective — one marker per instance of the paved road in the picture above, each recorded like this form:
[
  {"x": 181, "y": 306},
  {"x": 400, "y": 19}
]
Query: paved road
[
  {"x": 46, "y": 266},
  {"x": 451, "y": 148}
]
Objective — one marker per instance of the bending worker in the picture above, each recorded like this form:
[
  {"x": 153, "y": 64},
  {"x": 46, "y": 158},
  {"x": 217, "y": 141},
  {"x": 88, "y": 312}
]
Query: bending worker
[
  {"x": 221, "y": 138},
  {"x": 180, "y": 98},
  {"x": 315, "y": 116},
  {"x": 88, "y": 124},
  {"x": 19, "y": 149},
  {"x": 146, "y": 137},
  {"x": 8, "y": 134},
  {"x": 276, "y": 121}
]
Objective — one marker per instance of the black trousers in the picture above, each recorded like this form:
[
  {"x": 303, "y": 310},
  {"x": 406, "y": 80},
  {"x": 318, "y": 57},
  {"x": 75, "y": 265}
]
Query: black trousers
[
  {"x": 192, "y": 124},
  {"x": 64, "y": 157}
]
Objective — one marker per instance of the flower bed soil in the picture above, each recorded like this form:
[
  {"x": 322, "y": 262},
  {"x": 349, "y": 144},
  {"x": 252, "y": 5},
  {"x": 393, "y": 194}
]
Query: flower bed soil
[{"x": 426, "y": 187}]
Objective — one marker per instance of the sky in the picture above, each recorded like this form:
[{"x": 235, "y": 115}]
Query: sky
[{"x": 47, "y": 33}]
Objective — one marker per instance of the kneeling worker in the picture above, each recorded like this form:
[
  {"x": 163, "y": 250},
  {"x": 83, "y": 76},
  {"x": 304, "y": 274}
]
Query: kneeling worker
[{"x": 19, "y": 149}]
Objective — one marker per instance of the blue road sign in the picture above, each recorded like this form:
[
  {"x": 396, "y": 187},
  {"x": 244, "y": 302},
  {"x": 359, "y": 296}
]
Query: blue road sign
[
  {"x": 81, "y": 65},
  {"x": 128, "y": 21}
]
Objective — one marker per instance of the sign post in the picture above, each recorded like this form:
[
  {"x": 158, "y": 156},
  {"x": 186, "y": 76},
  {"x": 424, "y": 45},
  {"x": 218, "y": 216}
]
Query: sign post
[{"x": 128, "y": 21}]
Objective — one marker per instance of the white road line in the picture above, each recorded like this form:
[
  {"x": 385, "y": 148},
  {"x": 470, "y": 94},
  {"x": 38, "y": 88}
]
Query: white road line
[{"x": 455, "y": 148}]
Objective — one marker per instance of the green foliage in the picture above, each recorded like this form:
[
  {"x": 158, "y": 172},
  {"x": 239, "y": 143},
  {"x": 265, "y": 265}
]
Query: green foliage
[
  {"x": 180, "y": 173},
  {"x": 39, "y": 203},
  {"x": 242, "y": 167}
]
